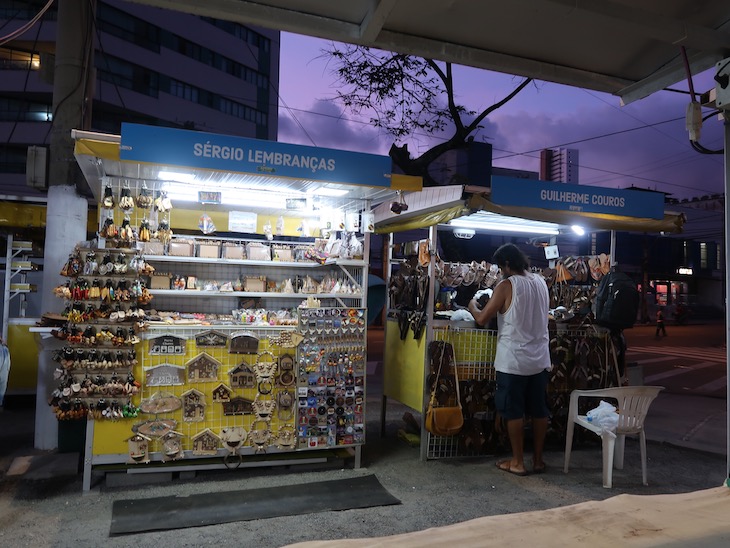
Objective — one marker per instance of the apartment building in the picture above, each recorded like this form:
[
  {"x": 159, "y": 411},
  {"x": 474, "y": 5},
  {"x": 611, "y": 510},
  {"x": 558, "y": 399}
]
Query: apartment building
[{"x": 149, "y": 66}]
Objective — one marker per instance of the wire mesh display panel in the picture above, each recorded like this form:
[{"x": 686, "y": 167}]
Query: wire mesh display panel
[
  {"x": 220, "y": 383},
  {"x": 474, "y": 351}
]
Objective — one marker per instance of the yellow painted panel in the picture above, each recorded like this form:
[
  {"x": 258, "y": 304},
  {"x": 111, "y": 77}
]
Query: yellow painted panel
[
  {"x": 110, "y": 436},
  {"x": 404, "y": 365},
  {"x": 24, "y": 360},
  {"x": 399, "y": 181},
  {"x": 14, "y": 214}
]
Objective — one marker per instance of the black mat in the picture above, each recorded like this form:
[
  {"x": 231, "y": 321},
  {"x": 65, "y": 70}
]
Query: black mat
[{"x": 135, "y": 516}]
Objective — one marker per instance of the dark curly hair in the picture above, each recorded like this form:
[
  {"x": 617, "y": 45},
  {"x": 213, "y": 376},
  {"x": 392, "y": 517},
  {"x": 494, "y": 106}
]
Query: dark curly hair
[{"x": 510, "y": 255}]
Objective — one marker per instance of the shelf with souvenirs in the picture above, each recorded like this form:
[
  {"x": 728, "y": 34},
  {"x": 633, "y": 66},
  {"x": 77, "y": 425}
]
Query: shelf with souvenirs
[
  {"x": 103, "y": 298},
  {"x": 250, "y": 346},
  {"x": 584, "y": 355}
]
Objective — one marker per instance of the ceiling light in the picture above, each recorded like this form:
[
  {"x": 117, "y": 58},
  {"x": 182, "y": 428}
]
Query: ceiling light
[
  {"x": 579, "y": 230},
  {"x": 324, "y": 191},
  {"x": 496, "y": 226},
  {"x": 464, "y": 233},
  {"x": 176, "y": 176}
]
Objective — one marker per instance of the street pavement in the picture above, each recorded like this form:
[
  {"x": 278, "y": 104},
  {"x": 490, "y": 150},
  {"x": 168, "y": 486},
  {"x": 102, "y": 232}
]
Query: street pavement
[
  {"x": 686, "y": 454},
  {"x": 691, "y": 363}
]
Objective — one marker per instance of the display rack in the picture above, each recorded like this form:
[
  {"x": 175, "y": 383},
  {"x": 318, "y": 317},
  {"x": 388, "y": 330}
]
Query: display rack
[
  {"x": 231, "y": 405},
  {"x": 17, "y": 265}
]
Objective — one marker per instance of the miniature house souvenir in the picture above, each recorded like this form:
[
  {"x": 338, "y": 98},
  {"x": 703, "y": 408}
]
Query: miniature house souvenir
[
  {"x": 242, "y": 377},
  {"x": 222, "y": 393},
  {"x": 138, "y": 447},
  {"x": 243, "y": 342},
  {"x": 203, "y": 368},
  {"x": 193, "y": 406},
  {"x": 165, "y": 374},
  {"x": 211, "y": 339},
  {"x": 205, "y": 443},
  {"x": 172, "y": 446},
  {"x": 238, "y": 406}
]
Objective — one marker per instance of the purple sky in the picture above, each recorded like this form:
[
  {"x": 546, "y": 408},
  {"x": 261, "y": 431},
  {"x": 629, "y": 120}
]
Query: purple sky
[{"x": 546, "y": 115}]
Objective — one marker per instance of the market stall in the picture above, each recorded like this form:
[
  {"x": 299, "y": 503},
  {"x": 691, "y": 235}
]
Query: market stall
[
  {"x": 219, "y": 317},
  {"x": 583, "y": 355}
]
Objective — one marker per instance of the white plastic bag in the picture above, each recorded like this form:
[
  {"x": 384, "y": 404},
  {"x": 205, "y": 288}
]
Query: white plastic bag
[{"x": 605, "y": 416}]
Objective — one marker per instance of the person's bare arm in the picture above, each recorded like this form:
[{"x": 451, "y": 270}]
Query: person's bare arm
[{"x": 497, "y": 303}]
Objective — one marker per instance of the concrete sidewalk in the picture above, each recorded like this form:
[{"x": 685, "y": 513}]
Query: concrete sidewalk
[{"x": 693, "y": 422}]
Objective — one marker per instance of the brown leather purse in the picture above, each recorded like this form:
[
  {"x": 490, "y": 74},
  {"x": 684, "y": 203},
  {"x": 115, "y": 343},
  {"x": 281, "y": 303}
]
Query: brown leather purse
[{"x": 446, "y": 420}]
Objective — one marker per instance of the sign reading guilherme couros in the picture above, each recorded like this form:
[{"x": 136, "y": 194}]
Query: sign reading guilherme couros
[{"x": 167, "y": 345}]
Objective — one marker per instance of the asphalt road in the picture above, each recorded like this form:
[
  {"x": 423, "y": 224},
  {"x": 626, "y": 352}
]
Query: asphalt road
[{"x": 690, "y": 360}]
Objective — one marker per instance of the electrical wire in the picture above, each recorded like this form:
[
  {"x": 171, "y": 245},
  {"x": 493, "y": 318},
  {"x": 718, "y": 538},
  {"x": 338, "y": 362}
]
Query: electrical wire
[
  {"x": 24, "y": 28},
  {"x": 81, "y": 80}
]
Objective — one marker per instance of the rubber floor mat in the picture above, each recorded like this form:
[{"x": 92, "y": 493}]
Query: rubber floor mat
[{"x": 177, "y": 512}]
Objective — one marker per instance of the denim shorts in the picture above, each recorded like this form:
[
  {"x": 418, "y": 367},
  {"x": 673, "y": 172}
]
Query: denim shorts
[{"x": 518, "y": 396}]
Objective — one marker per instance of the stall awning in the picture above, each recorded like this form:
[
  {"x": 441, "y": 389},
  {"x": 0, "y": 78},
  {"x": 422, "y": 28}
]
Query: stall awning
[
  {"x": 105, "y": 157},
  {"x": 438, "y": 205}
]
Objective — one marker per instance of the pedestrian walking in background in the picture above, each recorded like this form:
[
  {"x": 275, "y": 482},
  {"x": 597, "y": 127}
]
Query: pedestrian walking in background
[{"x": 660, "y": 322}]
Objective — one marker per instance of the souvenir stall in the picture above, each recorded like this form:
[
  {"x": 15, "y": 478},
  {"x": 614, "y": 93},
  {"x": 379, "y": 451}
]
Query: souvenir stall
[
  {"x": 182, "y": 347},
  {"x": 429, "y": 345}
]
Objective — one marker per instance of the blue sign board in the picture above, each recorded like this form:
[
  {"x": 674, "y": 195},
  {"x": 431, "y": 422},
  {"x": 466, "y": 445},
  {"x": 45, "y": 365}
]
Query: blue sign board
[
  {"x": 577, "y": 198},
  {"x": 194, "y": 149}
]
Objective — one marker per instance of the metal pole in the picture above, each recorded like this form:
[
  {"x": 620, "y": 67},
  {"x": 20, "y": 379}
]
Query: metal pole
[{"x": 726, "y": 157}]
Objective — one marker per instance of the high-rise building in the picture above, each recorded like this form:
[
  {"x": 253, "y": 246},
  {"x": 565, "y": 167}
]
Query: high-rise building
[
  {"x": 559, "y": 164},
  {"x": 150, "y": 66}
]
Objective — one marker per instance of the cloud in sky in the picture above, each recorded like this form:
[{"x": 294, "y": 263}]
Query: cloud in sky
[{"x": 612, "y": 152}]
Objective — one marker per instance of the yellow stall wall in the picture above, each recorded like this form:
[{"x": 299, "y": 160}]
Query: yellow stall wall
[
  {"x": 403, "y": 366},
  {"x": 23, "y": 357},
  {"x": 405, "y": 362}
]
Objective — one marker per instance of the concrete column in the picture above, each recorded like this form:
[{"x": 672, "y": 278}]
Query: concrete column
[
  {"x": 66, "y": 217},
  {"x": 67, "y": 209}
]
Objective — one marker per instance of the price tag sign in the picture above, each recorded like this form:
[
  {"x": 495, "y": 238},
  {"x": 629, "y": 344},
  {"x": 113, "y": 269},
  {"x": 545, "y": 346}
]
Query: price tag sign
[{"x": 167, "y": 345}]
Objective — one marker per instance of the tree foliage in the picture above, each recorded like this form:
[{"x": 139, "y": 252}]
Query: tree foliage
[{"x": 403, "y": 94}]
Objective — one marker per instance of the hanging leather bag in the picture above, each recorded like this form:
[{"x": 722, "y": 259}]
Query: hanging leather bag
[{"x": 446, "y": 420}]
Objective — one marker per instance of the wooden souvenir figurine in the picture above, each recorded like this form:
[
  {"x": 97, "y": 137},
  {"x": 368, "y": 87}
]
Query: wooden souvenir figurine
[
  {"x": 172, "y": 446},
  {"x": 193, "y": 406},
  {"x": 138, "y": 449},
  {"x": 222, "y": 393},
  {"x": 206, "y": 443},
  {"x": 203, "y": 368}
]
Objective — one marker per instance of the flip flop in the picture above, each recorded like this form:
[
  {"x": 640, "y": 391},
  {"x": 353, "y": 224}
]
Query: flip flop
[
  {"x": 506, "y": 466},
  {"x": 539, "y": 469}
]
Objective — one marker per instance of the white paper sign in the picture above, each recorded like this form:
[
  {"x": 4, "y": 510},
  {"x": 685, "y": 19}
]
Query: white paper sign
[{"x": 242, "y": 221}]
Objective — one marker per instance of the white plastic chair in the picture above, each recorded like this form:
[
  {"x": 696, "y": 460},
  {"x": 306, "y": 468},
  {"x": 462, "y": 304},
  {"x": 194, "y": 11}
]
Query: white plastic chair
[{"x": 633, "y": 405}]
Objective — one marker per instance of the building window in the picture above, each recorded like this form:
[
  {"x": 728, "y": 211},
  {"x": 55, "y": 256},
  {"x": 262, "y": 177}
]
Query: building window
[
  {"x": 703, "y": 255},
  {"x": 719, "y": 255},
  {"x": 127, "y": 75},
  {"x": 244, "y": 33},
  {"x": 127, "y": 27},
  {"x": 13, "y": 59},
  {"x": 16, "y": 110},
  {"x": 12, "y": 158}
]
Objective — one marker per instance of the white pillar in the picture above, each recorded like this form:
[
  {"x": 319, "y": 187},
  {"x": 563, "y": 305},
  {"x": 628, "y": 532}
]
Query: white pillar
[{"x": 66, "y": 218}]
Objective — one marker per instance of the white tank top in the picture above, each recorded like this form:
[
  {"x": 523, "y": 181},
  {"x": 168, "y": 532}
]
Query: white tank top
[{"x": 523, "y": 344}]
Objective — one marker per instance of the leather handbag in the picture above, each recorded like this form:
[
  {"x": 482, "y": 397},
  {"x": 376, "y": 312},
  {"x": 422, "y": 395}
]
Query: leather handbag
[{"x": 446, "y": 420}]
